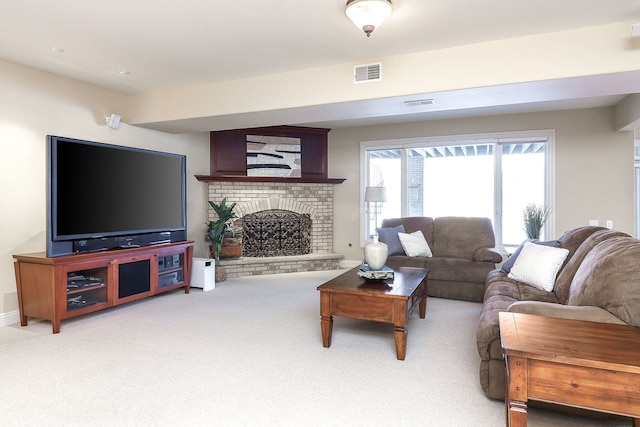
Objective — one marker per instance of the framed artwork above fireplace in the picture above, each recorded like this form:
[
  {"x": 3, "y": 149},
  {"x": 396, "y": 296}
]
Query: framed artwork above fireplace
[{"x": 273, "y": 156}]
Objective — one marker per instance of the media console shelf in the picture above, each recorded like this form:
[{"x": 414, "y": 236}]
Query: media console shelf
[{"x": 68, "y": 286}]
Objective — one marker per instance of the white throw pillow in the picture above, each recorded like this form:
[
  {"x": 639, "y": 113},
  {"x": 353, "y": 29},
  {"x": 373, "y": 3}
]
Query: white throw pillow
[
  {"x": 538, "y": 265},
  {"x": 414, "y": 244}
]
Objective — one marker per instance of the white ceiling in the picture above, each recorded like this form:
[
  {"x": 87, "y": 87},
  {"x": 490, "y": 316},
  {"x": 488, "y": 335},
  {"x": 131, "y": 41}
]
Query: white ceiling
[{"x": 171, "y": 44}]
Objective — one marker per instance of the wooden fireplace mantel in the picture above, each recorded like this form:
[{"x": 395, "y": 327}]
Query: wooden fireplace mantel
[
  {"x": 228, "y": 155},
  {"x": 243, "y": 178}
]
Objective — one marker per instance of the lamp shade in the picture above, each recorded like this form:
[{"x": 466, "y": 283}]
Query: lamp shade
[
  {"x": 368, "y": 14},
  {"x": 375, "y": 194}
]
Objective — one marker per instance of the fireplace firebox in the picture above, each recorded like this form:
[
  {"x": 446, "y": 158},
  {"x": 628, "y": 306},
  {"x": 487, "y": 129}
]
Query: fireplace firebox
[{"x": 276, "y": 233}]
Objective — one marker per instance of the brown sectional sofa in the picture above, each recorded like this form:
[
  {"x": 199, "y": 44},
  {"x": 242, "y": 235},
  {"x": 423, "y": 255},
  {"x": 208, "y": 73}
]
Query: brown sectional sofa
[
  {"x": 599, "y": 281},
  {"x": 462, "y": 254}
]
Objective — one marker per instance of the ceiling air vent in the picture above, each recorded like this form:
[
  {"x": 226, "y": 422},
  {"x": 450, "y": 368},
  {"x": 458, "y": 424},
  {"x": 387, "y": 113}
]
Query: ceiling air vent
[{"x": 367, "y": 73}]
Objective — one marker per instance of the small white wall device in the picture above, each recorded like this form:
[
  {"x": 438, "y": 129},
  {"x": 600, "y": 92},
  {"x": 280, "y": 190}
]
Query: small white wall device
[{"x": 113, "y": 121}]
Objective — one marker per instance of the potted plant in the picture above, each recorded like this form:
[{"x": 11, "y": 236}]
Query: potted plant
[
  {"x": 232, "y": 242},
  {"x": 535, "y": 218},
  {"x": 217, "y": 228}
]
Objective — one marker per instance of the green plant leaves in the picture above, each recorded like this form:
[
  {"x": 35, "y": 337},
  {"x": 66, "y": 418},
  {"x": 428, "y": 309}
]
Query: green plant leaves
[
  {"x": 216, "y": 229},
  {"x": 534, "y": 219}
]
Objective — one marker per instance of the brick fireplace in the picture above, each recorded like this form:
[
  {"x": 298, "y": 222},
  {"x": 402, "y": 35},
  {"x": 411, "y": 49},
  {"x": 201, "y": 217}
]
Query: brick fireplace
[
  {"x": 306, "y": 190},
  {"x": 314, "y": 200}
]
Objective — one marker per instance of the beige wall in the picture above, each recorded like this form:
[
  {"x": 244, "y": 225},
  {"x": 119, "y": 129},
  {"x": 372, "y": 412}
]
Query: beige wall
[
  {"x": 35, "y": 104},
  {"x": 593, "y": 163}
]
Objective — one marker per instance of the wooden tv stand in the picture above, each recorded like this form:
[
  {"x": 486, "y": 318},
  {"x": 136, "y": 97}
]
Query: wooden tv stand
[{"x": 73, "y": 285}]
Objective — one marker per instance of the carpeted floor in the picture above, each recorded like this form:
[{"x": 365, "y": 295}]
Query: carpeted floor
[{"x": 249, "y": 353}]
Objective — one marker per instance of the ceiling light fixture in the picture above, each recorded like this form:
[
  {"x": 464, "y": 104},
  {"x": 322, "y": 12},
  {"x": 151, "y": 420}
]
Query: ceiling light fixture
[{"x": 368, "y": 14}]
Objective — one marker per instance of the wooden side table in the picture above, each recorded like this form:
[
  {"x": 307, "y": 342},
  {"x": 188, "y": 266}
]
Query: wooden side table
[{"x": 571, "y": 362}]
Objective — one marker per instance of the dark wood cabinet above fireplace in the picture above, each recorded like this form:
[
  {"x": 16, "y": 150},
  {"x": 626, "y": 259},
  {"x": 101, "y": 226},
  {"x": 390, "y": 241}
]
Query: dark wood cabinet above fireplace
[{"x": 228, "y": 154}]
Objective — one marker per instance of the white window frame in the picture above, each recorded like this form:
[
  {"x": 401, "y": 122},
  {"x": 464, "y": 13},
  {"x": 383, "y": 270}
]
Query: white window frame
[{"x": 548, "y": 135}]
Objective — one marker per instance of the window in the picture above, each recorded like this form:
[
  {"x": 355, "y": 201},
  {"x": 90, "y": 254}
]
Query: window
[{"x": 493, "y": 176}]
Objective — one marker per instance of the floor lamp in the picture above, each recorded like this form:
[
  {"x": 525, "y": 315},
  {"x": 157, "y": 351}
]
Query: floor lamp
[{"x": 374, "y": 197}]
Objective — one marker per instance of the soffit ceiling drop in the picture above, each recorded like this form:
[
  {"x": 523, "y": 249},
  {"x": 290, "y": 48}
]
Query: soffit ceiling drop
[{"x": 143, "y": 46}]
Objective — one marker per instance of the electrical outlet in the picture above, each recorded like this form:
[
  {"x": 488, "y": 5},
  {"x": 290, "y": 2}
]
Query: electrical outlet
[
  {"x": 609, "y": 223},
  {"x": 593, "y": 222}
]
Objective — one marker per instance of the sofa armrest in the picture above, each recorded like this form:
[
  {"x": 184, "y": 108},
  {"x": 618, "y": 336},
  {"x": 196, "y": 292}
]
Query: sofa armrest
[
  {"x": 577, "y": 312},
  {"x": 487, "y": 255}
]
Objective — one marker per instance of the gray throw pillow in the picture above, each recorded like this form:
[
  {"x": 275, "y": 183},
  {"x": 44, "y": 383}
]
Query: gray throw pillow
[
  {"x": 508, "y": 264},
  {"x": 389, "y": 236}
]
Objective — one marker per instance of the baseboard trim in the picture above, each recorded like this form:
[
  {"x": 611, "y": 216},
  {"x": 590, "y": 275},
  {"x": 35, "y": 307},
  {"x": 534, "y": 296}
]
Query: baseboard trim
[{"x": 9, "y": 318}]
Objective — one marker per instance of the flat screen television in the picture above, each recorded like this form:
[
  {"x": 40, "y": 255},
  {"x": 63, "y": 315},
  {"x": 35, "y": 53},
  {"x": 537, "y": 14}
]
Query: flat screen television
[{"x": 103, "y": 196}]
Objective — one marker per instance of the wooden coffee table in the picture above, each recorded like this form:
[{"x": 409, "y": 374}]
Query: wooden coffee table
[
  {"x": 389, "y": 301},
  {"x": 571, "y": 362}
]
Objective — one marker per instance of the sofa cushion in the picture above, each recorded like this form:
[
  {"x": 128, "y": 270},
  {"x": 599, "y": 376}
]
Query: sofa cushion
[
  {"x": 389, "y": 236},
  {"x": 508, "y": 264},
  {"x": 414, "y": 244},
  {"x": 407, "y": 261},
  {"x": 456, "y": 269},
  {"x": 460, "y": 237},
  {"x": 495, "y": 275},
  {"x": 609, "y": 277},
  {"x": 413, "y": 223},
  {"x": 538, "y": 265},
  {"x": 487, "y": 255},
  {"x": 563, "y": 282},
  {"x": 488, "y": 330},
  {"x": 501, "y": 286},
  {"x": 582, "y": 312}
]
